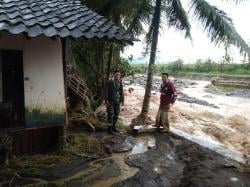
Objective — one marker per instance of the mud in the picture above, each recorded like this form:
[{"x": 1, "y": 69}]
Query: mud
[{"x": 178, "y": 162}]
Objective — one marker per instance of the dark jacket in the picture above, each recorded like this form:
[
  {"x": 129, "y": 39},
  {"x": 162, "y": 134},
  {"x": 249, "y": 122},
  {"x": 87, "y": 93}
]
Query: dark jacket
[
  {"x": 168, "y": 92},
  {"x": 112, "y": 90}
]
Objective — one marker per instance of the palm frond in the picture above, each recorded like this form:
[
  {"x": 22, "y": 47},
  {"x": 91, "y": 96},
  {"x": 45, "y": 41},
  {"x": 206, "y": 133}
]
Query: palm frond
[
  {"x": 236, "y": 1},
  {"x": 177, "y": 16},
  {"x": 140, "y": 16},
  {"x": 148, "y": 38},
  {"x": 218, "y": 25}
]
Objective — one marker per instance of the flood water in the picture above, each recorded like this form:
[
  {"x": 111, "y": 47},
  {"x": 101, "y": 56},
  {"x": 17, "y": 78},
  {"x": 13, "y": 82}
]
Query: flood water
[
  {"x": 228, "y": 105},
  {"x": 225, "y": 130}
]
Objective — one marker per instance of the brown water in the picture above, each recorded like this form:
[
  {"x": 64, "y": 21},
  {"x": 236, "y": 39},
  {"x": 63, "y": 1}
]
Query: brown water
[
  {"x": 225, "y": 130},
  {"x": 143, "y": 142}
]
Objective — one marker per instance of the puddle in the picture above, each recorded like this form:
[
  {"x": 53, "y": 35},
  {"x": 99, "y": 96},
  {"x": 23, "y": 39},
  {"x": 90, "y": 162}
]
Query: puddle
[
  {"x": 143, "y": 143},
  {"x": 126, "y": 172}
]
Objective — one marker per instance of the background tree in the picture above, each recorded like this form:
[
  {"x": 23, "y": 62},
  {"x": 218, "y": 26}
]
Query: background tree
[{"x": 215, "y": 22}]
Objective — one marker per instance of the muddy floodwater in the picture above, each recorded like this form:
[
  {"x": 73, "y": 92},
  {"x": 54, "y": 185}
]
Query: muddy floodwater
[
  {"x": 224, "y": 128},
  {"x": 140, "y": 147}
]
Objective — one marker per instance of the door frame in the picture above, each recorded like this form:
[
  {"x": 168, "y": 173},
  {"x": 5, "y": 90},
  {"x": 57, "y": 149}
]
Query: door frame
[{"x": 21, "y": 108}]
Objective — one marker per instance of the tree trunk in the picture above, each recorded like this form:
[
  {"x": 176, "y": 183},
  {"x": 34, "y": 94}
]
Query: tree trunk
[
  {"x": 110, "y": 55},
  {"x": 99, "y": 67},
  {"x": 108, "y": 70},
  {"x": 156, "y": 20},
  {"x": 249, "y": 60}
]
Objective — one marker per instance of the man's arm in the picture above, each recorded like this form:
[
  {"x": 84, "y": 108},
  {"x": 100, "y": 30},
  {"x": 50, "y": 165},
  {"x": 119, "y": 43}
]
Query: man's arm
[{"x": 174, "y": 95}]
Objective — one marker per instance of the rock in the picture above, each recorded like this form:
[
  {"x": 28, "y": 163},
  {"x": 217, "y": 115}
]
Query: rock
[
  {"x": 208, "y": 96},
  {"x": 125, "y": 146},
  {"x": 193, "y": 83},
  {"x": 185, "y": 98},
  {"x": 229, "y": 94},
  {"x": 126, "y": 82}
]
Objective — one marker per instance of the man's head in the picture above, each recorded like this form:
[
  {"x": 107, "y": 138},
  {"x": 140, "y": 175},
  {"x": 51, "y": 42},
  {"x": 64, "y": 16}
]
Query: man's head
[
  {"x": 164, "y": 77},
  {"x": 117, "y": 75}
]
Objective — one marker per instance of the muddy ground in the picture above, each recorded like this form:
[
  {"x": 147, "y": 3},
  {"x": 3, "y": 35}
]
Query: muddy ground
[
  {"x": 170, "y": 161},
  {"x": 163, "y": 159},
  {"x": 178, "y": 162}
]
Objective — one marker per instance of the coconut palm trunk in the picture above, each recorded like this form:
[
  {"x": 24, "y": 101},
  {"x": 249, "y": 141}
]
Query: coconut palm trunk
[{"x": 155, "y": 33}]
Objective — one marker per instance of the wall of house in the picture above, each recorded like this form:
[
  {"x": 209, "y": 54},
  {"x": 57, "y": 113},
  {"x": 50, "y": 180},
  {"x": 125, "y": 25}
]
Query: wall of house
[{"x": 43, "y": 77}]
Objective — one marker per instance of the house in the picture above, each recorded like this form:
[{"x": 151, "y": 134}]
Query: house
[{"x": 33, "y": 37}]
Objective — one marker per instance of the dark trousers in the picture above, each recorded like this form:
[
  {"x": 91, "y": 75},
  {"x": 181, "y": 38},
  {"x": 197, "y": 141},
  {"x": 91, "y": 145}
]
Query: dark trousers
[{"x": 113, "y": 113}]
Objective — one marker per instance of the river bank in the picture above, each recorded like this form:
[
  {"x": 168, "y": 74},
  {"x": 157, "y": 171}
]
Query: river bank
[
  {"x": 217, "y": 118},
  {"x": 208, "y": 145}
]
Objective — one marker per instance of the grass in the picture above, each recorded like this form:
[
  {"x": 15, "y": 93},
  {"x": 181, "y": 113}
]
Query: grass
[
  {"x": 37, "y": 113},
  {"x": 79, "y": 146},
  {"x": 229, "y": 75},
  {"x": 220, "y": 89},
  {"x": 202, "y": 68},
  {"x": 121, "y": 127}
]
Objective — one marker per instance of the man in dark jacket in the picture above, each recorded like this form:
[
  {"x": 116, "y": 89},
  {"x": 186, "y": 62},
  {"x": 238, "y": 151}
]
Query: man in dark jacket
[
  {"x": 114, "y": 98},
  {"x": 168, "y": 97}
]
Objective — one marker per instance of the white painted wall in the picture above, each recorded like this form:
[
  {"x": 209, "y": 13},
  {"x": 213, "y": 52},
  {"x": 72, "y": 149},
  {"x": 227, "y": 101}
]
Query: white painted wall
[{"x": 43, "y": 69}]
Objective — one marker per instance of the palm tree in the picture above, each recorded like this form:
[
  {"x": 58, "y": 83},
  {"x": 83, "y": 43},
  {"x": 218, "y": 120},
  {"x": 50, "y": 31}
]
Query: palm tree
[{"x": 215, "y": 22}]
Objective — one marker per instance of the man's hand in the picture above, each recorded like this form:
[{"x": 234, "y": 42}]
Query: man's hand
[{"x": 174, "y": 98}]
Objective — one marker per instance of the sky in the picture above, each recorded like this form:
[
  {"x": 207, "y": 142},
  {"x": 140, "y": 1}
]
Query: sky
[{"x": 172, "y": 45}]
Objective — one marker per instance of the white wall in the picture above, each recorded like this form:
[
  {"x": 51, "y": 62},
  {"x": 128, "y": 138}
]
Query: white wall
[{"x": 43, "y": 69}]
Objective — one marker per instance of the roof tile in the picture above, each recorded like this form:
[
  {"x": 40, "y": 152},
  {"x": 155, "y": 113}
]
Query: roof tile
[{"x": 62, "y": 18}]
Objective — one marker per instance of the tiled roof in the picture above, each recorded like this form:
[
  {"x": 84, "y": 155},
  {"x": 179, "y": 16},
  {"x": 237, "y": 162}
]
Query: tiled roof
[{"x": 62, "y": 18}]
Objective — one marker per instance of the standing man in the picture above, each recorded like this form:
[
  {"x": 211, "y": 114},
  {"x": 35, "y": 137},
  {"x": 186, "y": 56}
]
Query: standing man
[
  {"x": 114, "y": 98},
  {"x": 168, "y": 97}
]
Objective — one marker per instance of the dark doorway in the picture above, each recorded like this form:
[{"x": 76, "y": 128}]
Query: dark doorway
[{"x": 12, "y": 102}]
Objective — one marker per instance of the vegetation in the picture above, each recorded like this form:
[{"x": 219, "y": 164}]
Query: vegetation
[
  {"x": 37, "y": 113},
  {"x": 97, "y": 58},
  {"x": 200, "y": 67}
]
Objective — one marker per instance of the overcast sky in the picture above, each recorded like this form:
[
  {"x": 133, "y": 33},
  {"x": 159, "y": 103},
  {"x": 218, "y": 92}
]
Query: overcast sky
[{"x": 172, "y": 44}]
